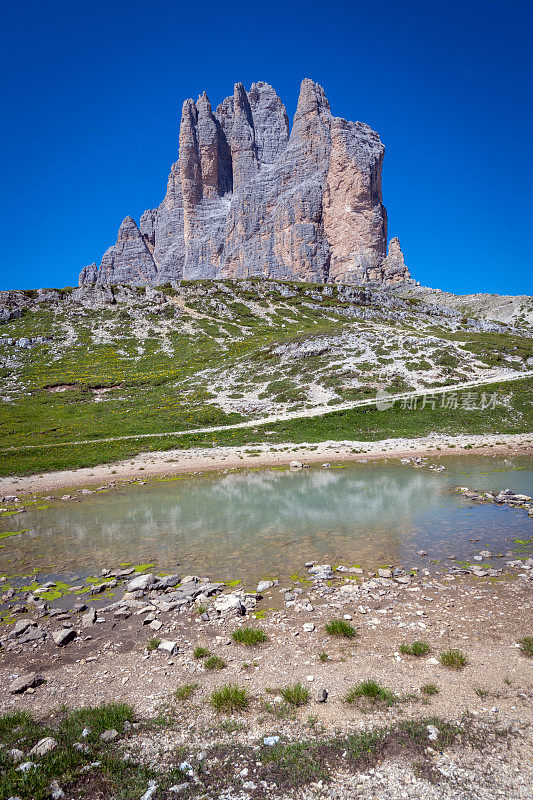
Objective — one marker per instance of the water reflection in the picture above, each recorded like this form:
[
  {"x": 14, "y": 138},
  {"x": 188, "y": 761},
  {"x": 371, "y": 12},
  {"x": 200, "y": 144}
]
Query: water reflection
[{"x": 253, "y": 524}]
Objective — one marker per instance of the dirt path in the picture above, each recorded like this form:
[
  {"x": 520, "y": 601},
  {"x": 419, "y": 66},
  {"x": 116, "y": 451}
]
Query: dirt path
[{"x": 319, "y": 411}]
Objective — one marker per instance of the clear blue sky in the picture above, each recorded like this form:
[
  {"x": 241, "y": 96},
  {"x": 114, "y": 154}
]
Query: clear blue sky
[{"x": 92, "y": 94}]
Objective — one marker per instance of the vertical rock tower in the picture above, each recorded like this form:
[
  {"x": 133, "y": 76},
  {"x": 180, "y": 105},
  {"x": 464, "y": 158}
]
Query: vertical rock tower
[{"x": 248, "y": 196}]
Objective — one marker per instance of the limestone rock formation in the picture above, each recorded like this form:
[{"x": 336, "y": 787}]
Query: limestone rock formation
[
  {"x": 394, "y": 268},
  {"x": 249, "y": 197},
  {"x": 129, "y": 260}
]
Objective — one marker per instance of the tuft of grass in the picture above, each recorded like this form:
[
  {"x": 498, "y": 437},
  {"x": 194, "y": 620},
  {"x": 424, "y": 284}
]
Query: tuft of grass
[
  {"x": 201, "y": 652},
  {"x": 200, "y": 609},
  {"x": 229, "y": 698},
  {"x": 483, "y": 693},
  {"x": 453, "y": 659},
  {"x": 153, "y": 644},
  {"x": 323, "y": 657},
  {"x": 296, "y": 695},
  {"x": 429, "y": 689},
  {"x": 185, "y": 691},
  {"x": 98, "y": 719},
  {"x": 249, "y": 636},
  {"x": 215, "y": 662},
  {"x": 340, "y": 627},
  {"x": 415, "y": 649},
  {"x": 373, "y": 692},
  {"x": 526, "y": 646}
]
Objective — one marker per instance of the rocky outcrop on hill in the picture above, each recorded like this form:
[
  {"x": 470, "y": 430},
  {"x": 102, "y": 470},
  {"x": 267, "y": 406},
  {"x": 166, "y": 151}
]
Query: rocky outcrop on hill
[{"x": 249, "y": 197}]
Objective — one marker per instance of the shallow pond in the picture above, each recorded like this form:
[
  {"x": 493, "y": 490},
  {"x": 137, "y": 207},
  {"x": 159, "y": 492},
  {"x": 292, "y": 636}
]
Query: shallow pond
[{"x": 252, "y": 524}]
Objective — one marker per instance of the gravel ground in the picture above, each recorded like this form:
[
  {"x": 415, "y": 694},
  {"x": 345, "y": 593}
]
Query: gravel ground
[{"x": 492, "y": 694}]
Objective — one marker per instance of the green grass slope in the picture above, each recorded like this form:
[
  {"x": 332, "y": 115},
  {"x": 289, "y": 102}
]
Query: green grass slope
[{"x": 209, "y": 354}]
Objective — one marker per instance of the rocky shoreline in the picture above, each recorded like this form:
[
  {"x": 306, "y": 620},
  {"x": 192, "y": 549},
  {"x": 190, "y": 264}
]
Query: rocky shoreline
[{"x": 149, "y": 600}]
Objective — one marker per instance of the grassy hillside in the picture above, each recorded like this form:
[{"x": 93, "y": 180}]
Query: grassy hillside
[{"x": 211, "y": 353}]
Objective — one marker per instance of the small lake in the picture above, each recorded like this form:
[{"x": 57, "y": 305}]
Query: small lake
[{"x": 257, "y": 523}]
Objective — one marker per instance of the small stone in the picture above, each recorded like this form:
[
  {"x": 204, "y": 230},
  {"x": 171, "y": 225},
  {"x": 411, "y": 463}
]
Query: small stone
[
  {"x": 270, "y": 741},
  {"x": 156, "y": 625},
  {"x": 24, "y": 768},
  {"x": 109, "y": 736},
  {"x": 296, "y": 465},
  {"x": 322, "y": 696},
  {"x": 56, "y": 791},
  {"x": 322, "y": 571},
  {"x": 152, "y": 789},
  {"x": 229, "y": 603},
  {"x": 262, "y": 586},
  {"x": 433, "y": 732},
  {"x": 309, "y": 627},
  {"x": 64, "y": 636},
  {"x": 169, "y": 647},
  {"x": 20, "y": 626},
  {"x": 89, "y": 619},
  {"x": 43, "y": 746},
  {"x": 27, "y": 681},
  {"x": 140, "y": 582}
]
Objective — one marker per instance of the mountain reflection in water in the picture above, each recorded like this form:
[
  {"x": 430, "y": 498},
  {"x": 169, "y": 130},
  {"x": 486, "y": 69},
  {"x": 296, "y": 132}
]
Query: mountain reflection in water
[{"x": 257, "y": 523}]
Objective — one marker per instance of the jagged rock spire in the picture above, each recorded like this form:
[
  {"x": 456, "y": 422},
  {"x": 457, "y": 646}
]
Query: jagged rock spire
[
  {"x": 394, "y": 268},
  {"x": 129, "y": 260},
  {"x": 243, "y": 147}
]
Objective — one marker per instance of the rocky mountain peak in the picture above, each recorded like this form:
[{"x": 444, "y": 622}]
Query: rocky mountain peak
[
  {"x": 249, "y": 196},
  {"x": 312, "y": 101},
  {"x": 128, "y": 230}
]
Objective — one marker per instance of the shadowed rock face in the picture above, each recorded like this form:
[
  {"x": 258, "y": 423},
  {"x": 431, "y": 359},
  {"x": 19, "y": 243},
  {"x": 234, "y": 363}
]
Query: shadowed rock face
[{"x": 247, "y": 198}]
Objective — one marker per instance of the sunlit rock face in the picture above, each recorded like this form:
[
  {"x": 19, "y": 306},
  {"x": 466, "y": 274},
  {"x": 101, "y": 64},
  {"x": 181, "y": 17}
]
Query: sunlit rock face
[{"x": 248, "y": 196}]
